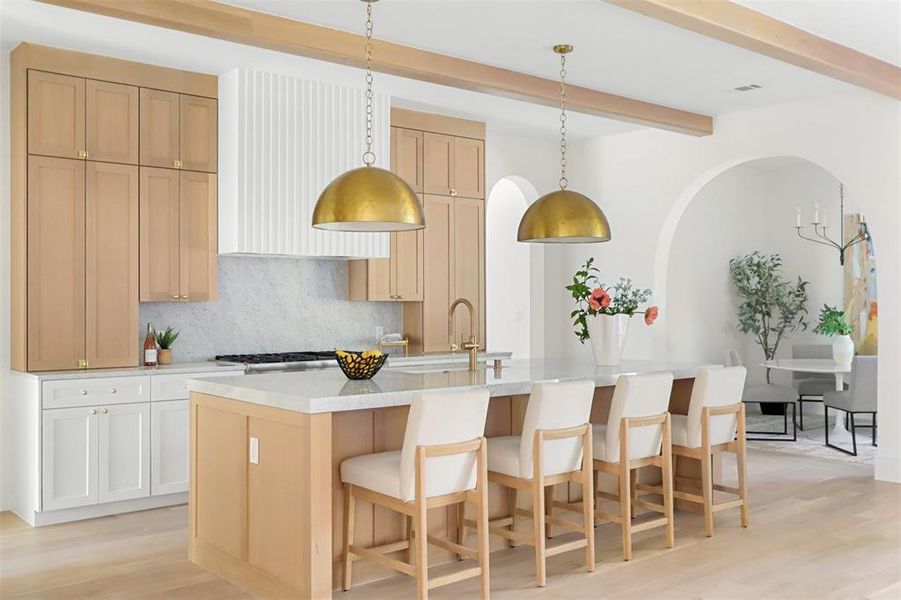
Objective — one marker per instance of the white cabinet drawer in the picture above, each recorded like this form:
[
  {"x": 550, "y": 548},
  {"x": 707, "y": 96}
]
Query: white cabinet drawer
[
  {"x": 175, "y": 387},
  {"x": 91, "y": 391}
]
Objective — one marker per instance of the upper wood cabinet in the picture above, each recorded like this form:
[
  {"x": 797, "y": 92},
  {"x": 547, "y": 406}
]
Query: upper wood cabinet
[
  {"x": 469, "y": 263},
  {"x": 56, "y": 115},
  {"x": 111, "y": 265},
  {"x": 112, "y": 122},
  {"x": 178, "y": 235},
  {"x": 159, "y": 128},
  {"x": 56, "y": 263},
  {"x": 406, "y": 156},
  {"x": 197, "y": 133},
  {"x": 439, "y": 252},
  {"x": 453, "y": 166},
  {"x": 399, "y": 278},
  {"x": 178, "y": 131}
]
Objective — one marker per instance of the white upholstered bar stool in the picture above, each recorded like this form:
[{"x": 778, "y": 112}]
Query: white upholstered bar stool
[
  {"x": 637, "y": 434},
  {"x": 555, "y": 431},
  {"x": 442, "y": 462},
  {"x": 715, "y": 424}
]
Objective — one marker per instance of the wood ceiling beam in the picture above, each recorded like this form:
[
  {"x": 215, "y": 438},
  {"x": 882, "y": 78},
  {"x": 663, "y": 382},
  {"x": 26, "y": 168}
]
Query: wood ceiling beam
[
  {"x": 235, "y": 24},
  {"x": 749, "y": 29}
]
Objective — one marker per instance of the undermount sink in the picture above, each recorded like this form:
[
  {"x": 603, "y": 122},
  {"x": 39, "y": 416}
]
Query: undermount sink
[{"x": 435, "y": 368}]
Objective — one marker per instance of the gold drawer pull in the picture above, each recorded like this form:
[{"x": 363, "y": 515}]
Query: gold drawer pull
[
  {"x": 184, "y": 297},
  {"x": 175, "y": 297},
  {"x": 177, "y": 164},
  {"x": 83, "y": 154},
  {"x": 453, "y": 191}
]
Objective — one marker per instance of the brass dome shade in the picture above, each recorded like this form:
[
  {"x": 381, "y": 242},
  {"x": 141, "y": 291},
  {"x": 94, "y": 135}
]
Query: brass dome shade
[
  {"x": 566, "y": 217},
  {"x": 368, "y": 199},
  {"x": 563, "y": 216}
]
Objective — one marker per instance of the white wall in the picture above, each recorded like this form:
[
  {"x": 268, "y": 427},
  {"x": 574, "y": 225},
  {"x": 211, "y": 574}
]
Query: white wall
[
  {"x": 749, "y": 207},
  {"x": 536, "y": 161},
  {"x": 645, "y": 181}
]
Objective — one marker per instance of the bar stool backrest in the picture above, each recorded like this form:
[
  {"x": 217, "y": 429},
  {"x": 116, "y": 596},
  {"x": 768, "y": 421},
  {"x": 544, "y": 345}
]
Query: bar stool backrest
[
  {"x": 438, "y": 418},
  {"x": 638, "y": 396},
  {"x": 555, "y": 405},
  {"x": 720, "y": 386}
]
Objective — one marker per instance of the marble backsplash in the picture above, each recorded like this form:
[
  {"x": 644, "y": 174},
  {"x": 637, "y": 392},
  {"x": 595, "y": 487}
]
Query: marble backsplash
[{"x": 273, "y": 305}]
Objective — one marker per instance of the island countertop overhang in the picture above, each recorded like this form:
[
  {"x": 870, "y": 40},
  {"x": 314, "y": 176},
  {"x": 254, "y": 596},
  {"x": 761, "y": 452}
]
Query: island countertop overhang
[{"x": 328, "y": 390}]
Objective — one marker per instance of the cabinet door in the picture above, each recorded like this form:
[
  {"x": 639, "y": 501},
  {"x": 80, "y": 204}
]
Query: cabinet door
[
  {"x": 197, "y": 236},
  {"x": 112, "y": 122},
  {"x": 438, "y": 164},
  {"x": 159, "y": 235},
  {"x": 406, "y": 156},
  {"x": 197, "y": 133},
  {"x": 111, "y": 265},
  {"x": 69, "y": 444},
  {"x": 469, "y": 258},
  {"x": 124, "y": 452},
  {"x": 438, "y": 244},
  {"x": 407, "y": 264},
  {"x": 379, "y": 282},
  {"x": 168, "y": 447},
  {"x": 469, "y": 167},
  {"x": 56, "y": 265},
  {"x": 56, "y": 115},
  {"x": 159, "y": 128},
  {"x": 274, "y": 515}
]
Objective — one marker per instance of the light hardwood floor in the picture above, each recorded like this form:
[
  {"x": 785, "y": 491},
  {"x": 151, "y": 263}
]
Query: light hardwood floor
[{"x": 819, "y": 529}]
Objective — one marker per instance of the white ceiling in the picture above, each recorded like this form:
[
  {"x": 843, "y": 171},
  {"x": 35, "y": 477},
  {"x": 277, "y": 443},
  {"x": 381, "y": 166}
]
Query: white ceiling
[{"x": 616, "y": 51}]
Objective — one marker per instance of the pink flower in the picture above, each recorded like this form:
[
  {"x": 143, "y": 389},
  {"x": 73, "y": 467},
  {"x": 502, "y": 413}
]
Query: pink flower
[
  {"x": 650, "y": 315},
  {"x": 599, "y": 299}
]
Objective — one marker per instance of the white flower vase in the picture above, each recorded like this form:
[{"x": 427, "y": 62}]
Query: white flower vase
[
  {"x": 607, "y": 336},
  {"x": 842, "y": 350}
]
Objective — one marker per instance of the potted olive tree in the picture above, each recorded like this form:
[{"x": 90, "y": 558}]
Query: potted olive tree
[
  {"x": 833, "y": 324},
  {"x": 770, "y": 307}
]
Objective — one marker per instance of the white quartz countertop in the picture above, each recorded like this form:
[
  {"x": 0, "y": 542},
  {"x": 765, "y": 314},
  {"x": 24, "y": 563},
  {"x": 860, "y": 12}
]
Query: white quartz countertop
[
  {"x": 328, "y": 390},
  {"x": 173, "y": 369}
]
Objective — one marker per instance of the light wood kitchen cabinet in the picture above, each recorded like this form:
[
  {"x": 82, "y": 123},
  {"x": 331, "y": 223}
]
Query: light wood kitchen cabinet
[
  {"x": 399, "y": 278},
  {"x": 468, "y": 263},
  {"x": 197, "y": 133},
  {"x": 469, "y": 168},
  {"x": 438, "y": 164},
  {"x": 177, "y": 235},
  {"x": 56, "y": 263},
  {"x": 197, "y": 236},
  {"x": 159, "y": 128},
  {"x": 439, "y": 254},
  {"x": 406, "y": 156},
  {"x": 69, "y": 447},
  {"x": 111, "y": 265},
  {"x": 178, "y": 131},
  {"x": 111, "y": 122},
  {"x": 56, "y": 115},
  {"x": 124, "y": 452}
]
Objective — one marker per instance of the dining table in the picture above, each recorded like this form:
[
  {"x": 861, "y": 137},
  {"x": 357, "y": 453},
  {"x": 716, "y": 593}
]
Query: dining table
[{"x": 815, "y": 365}]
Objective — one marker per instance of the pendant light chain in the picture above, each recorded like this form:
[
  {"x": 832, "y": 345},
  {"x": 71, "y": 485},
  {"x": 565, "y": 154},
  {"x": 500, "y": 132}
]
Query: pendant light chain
[
  {"x": 563, "y": 180},
  {"x": 369, "y": 155}
]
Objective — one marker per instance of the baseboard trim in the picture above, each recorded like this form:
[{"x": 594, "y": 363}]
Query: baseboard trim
[{"x": 93, "y": 511}]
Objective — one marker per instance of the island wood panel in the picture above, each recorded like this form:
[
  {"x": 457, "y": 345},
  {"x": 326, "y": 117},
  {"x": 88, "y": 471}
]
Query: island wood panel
[{"x": 111, "y": 117}]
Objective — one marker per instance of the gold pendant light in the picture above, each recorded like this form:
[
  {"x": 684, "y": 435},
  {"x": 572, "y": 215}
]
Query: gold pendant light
[
  {"x": 563, "y": 216},
  {"x": 368, "y": 198}
]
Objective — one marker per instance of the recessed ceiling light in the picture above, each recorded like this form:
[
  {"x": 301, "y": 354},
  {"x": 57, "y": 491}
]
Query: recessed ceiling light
[{"x": 747, "y": 88}]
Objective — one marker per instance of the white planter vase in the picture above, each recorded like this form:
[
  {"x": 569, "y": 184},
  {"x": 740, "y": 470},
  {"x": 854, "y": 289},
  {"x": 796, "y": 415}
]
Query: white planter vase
[
  {"x": 842, "y": 350},
  {"x": 608, "y": 338}
]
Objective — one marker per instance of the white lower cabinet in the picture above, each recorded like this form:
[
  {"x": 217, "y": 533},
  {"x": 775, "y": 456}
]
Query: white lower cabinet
[
  {"x": 169, "y": 447},
  {"x": 124, "y": 452},
  {"x": 70, "y": 465}
]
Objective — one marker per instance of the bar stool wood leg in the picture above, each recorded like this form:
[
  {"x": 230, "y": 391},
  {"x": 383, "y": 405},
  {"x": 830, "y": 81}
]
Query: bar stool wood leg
[
  {"x": 667, "y": 477},
  {"x": 633, "y": 485},
  {"x": 740, "y": 461},
  {"x": 482, "y": 517},
  {"x": 707, "y": 488},
  {"x": 512, "y": 501},
  {"x": 538, "y": 511},
  {"x": 461, "y": 527},
  {"x": 588, "y": 489},
  {"x": 346, "y": 558},
  {"x": 420, "y": 527},
  {"x": 625, "y": 493},
  {"x": 549, "y": 509},
  {"x": 407, "y": 534}
]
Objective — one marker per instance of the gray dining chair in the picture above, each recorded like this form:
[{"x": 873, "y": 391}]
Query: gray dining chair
[
  {"x": 860, "y": 398},
  {"x": 768, "y": 393},
  {"x": 810, "y": 387}
]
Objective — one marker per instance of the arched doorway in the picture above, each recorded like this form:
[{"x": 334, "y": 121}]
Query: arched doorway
[{"x": 508, "y": 269}]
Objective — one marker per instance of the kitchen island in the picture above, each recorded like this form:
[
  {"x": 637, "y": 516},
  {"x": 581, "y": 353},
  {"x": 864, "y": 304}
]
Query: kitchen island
[{"x": 265, "y": 495}]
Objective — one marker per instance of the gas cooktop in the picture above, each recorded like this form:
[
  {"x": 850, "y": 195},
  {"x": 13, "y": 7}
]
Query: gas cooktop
[{"x": 278, "y": 360}]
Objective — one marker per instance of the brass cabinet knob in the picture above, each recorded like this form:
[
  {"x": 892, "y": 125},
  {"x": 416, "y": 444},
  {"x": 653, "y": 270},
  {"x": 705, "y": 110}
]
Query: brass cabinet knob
[
  {"x": 84, "y": 392},
  {"x": 184, "y": 297},
  {"x": 83, "y": 154},
  {"x": 82, "y": 363},
  {"x": 177, "y": 164},
  {"x": 113, "y": 391},
  {"x": 453, "y": 191},
  {"x": 93, "y": 411},
  {"x": 175, "y": 297},
  {"x": 104, "y": 411}
]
